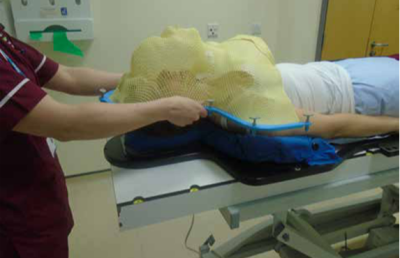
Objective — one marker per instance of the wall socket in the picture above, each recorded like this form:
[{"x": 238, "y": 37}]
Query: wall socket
[{"x": 213, "y": 30}]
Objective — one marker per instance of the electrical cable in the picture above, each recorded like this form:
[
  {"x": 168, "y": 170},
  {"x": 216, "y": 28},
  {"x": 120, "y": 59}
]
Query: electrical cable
[{"x": 188, "y": 235}]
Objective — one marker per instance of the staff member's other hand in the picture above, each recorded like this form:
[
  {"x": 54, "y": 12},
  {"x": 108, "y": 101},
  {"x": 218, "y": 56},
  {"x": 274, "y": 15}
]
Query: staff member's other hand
[{"x": 183, "y": 111}]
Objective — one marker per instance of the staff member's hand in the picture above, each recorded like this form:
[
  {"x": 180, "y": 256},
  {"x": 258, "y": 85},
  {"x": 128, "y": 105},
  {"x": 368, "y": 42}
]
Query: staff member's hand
[
  {"x": 99, "y": 120},
  {"x": 183, "y": 111}
]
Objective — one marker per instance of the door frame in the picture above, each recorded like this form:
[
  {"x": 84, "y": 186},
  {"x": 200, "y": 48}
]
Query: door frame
[{"x": 321, "y": 32}]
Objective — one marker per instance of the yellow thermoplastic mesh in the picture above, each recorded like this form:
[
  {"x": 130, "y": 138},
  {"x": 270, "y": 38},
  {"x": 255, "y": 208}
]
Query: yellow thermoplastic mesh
[{"x": 238, "y": 74}]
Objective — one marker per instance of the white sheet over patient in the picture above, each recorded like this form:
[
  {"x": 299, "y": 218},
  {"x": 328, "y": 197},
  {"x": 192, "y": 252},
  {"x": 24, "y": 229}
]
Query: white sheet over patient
[{"x": 322, "y": 87}]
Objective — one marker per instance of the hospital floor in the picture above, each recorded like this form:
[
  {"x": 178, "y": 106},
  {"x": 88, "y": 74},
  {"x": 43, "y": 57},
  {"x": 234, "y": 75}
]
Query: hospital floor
[{"x": 96, "y": 233}]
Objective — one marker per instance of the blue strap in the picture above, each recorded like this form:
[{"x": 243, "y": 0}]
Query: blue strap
[
  {"x": 106, "y": 97},
  {"x": 242, "y": 123},
  {"x": 11, "y": 62},
  {"x": 257, "y": 128}
]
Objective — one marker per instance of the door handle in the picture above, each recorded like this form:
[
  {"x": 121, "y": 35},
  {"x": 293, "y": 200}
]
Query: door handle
[{"x": 374, "y": 45}]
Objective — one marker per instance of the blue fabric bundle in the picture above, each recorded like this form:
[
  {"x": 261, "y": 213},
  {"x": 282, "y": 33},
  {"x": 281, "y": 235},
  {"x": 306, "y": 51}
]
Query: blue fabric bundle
[{"x": 255, "y": 149}]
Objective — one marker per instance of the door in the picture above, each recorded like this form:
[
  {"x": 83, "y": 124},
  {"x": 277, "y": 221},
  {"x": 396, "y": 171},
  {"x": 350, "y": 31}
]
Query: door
[
  {"x": 347, "y": 28},
  {"x": 384, "y": 38}
]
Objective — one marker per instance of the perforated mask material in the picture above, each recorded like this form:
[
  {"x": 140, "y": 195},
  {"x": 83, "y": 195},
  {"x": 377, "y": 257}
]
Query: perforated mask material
[{"x": 238, "y": 74}]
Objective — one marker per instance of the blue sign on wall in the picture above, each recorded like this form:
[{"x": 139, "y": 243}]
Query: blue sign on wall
[{"x": 64, "y": 11}]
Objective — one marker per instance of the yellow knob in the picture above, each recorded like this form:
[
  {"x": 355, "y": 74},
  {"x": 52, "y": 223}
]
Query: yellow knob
[
  {"x": 193, "y": 190},
  {"x": 138, "y": 202}
]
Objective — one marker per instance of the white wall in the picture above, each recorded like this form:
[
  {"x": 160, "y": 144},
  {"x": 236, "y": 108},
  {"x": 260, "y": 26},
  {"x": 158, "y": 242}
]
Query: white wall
[
  {"x": 6, "y": 17},
  {"x": 298, "y": 30}
]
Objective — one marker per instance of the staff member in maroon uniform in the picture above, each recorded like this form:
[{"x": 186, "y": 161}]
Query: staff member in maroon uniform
[{"x": 35, "y": 218}]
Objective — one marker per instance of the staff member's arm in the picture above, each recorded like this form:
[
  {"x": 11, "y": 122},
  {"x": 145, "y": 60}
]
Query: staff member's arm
[
  {"x": 82, "y": 81},
  {"x": 64, "y": 122}
]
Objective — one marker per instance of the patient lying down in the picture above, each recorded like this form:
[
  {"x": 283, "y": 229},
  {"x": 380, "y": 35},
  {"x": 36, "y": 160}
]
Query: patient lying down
[
  {"x": 348, "y": 98},
  {"x": 241, "y": 77}
]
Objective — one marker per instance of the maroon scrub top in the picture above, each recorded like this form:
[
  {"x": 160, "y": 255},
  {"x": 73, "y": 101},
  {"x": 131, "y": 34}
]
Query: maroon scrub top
[{"x": 35, "y": 216}]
